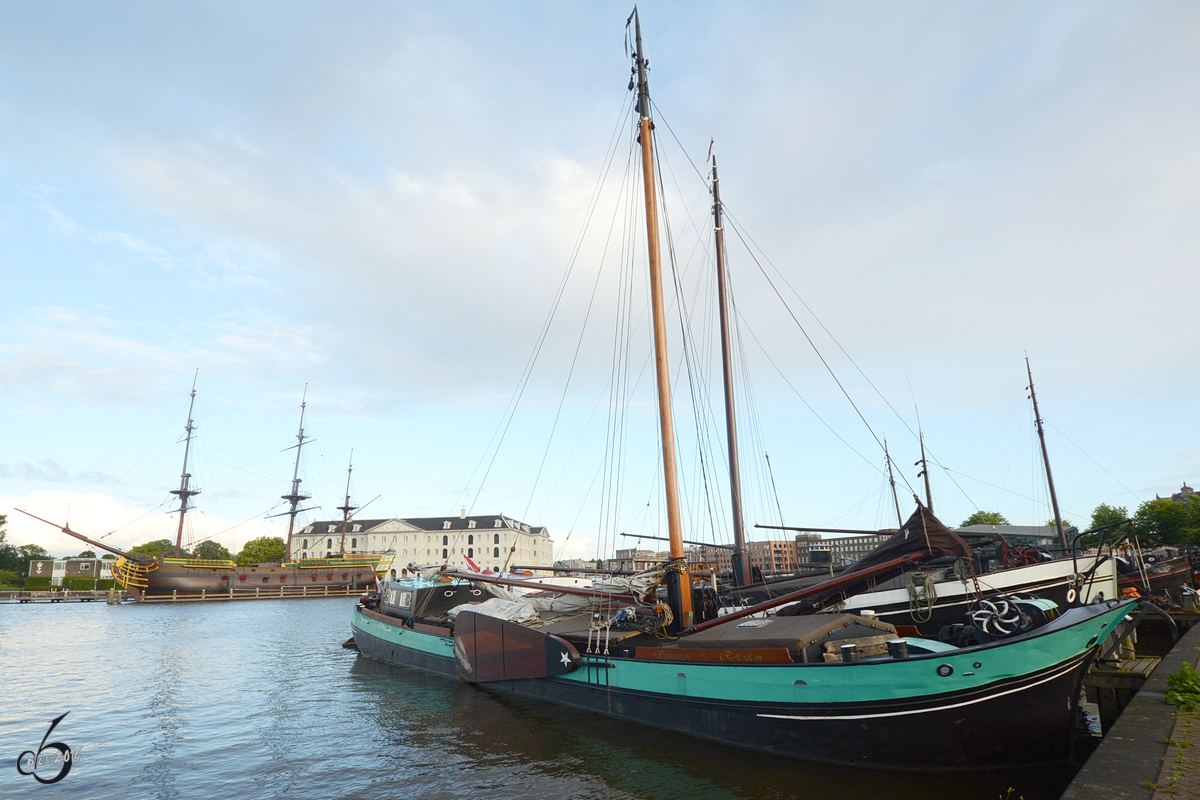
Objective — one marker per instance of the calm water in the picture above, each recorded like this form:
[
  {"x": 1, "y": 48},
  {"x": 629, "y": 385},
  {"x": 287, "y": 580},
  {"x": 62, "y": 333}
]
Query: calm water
[{"x": 259, "y": 699}]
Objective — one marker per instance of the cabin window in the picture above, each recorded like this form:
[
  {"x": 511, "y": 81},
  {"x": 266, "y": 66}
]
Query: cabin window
[
  {"x": 446, "y": 525},
  {"x": 329, "y": 544},
  {"x": 305, "y": 545},
  {"x": 495, "y": 552},
  {"x": 470, "y": 539},
  {"x": 470, "y": 552},
  {"x": 445, "y": 553}
]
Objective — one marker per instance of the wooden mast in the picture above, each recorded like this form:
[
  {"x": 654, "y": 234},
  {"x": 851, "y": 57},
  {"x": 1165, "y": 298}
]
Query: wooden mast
[
  {"x": 295, "y": 497},
  {"x": 1062, "y": 537},
  {"x": 741, "y": 569},
  {"x": 892, "y": 481},
  {"x": 185, "y": 491},
  {"x": 679, "y": 589},
  {"x": 924, "y": 465},
  {"x": 346, "y": 508}
]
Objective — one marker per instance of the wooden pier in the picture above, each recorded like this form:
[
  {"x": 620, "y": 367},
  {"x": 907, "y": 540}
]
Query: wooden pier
[{"x": 65, "y": 596}]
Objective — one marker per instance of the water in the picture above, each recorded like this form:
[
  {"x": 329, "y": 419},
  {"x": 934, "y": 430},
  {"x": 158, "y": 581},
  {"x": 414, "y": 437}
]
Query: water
[{"x": 259, "y": 700}]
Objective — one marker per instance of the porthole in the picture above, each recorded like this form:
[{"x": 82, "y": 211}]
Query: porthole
[
  {"x": 449, "y": 593},
  {"x": 476, "y": 592},
  {"x": 945, "y": 670}
]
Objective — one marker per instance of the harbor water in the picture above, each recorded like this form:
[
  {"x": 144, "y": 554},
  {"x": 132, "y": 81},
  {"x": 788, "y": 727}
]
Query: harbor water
[{"x": 259, "y": 699}]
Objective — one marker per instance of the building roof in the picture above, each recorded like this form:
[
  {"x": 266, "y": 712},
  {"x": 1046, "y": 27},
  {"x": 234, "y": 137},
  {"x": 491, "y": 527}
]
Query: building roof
[{"x": 430, "y": 524}]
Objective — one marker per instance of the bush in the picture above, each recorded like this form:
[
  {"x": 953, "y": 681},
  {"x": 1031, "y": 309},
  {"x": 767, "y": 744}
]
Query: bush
[
  {"x": 79, "y": 584},
  {"x": 9, "y": 578},
  {"x": 37, "y": 584}
]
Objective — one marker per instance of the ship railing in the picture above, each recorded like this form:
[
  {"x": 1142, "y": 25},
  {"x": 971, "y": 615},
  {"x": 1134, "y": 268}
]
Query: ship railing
[{"x": 211, "y": 563}]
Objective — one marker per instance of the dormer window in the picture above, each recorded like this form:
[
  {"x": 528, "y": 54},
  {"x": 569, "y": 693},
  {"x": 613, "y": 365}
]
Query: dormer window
[
  {"x": 471, "y": 524},
  {"x": 356, "y": 528},
  {"x": 332, "y": 528},
  {"x": 308, "y": 529},
  {"x": 446, "y": 525},
  {"x": 497, "y": 524}
]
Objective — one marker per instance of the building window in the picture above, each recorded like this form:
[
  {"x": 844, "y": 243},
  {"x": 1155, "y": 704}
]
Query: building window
[
  {"x": 495, "y": 552},
  {"x": 471, "y": 524},
  {"x": 445, "y": 540},
  {"x": 330, "y": 543},
  {"x": 356, "y": 528},
  {"x": 446, "y": 525},
  {"x": 305, "y": 545},
  {"x": 445, "y": 553},
  {"x": 353, "y": 543},
  {"x": 497, "y": 539},
  {"x": 332, "y": 528},
  {"x": 496, "y": 524},
  {"x": 470, "y": 539},
  {"x": 470, "y": 552}
]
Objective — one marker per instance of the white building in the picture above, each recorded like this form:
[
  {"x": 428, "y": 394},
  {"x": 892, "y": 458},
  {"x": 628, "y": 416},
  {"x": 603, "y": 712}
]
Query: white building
[
  {"x": 59, "y": 568},
  {"x": 493, "y": 541}
]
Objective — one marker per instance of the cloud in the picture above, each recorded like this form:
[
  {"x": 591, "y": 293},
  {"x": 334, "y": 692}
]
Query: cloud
[
  {"x": 49, "y": 471},
  {"x": 104, "y": 519}
]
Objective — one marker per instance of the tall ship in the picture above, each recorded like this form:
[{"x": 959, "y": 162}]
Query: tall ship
[{"x": 178, "y": 578}]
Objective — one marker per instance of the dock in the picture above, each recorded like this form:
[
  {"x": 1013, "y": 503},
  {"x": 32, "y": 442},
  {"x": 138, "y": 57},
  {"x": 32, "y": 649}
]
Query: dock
[
  {"x": 1150, "y": 751},
  {"x": 110, "y": 596}
]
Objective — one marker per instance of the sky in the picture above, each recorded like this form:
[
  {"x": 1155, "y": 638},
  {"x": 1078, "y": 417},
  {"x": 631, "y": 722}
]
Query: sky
[{"x": 388, "y": 209}]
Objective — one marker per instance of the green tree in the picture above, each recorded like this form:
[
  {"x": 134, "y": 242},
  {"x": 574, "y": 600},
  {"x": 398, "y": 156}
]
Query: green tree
[
  {"x": 986, "y": 518},
  {"x": 263, "y": 550},
  {"x": 108, "y": 557},
  {"x": 87, "y": 554},
  {"x": 32, "y": 552},
  {"x": 10, "y": 559},
  {"x": 211, "y": 549},
  {"x": 1104, "y": 514},
  {"x": 1168, "y": 522},
  {"x": 159, "y": 547},
  {"x": 9, "y": 577},
  {"x": 1066, "y": 523}
]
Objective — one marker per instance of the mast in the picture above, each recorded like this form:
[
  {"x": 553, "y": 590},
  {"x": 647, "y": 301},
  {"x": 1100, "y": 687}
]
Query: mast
[
  {"x": 741, "y": 570},
  {"x": 892, "y": 481},
  {"x": 184, "y": 492},
  {"x": 296, "y": 497},
  {"x": 345, "y": 507},
  {"x": 924, "y": 465},
  {"x": 679, "y": 589},
  {"x": 1062, "y": 537}
]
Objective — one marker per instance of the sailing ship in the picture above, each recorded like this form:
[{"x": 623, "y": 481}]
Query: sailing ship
[
  {"x": 840, "y": 688},
  {"x": 178, "y": 578}
]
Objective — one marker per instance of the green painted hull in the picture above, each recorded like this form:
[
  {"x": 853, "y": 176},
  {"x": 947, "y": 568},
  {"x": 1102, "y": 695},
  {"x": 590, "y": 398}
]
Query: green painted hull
[{"x": 1001, "y": 704}]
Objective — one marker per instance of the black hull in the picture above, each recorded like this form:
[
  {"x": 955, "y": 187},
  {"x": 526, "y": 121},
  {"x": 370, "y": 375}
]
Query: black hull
[{"x": 956, "y": 732}]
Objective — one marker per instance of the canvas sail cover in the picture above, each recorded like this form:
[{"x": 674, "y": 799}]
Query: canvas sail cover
[{"x": 923, "y": 534}]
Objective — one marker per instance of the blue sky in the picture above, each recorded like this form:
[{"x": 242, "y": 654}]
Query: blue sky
[{"x": 379, "y": 202}]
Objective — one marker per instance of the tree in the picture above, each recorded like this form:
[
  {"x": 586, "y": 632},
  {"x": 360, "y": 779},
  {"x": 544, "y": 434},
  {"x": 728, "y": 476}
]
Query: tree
[
  {"x": 108, "y": 557},
  {"x": 213, "y": 550},
  {"x": 9, "y": 558},
  {"x": 87, "y": 554},
  {"x": 1104, "y": 514},
  {"x": 263, "y": 550},
  {"x": 159, "y": 547},
  {"x": 985, "y": 518},
  {"x": 32, "y": 552},
  {"x": 1065, "y": 522},
  {"x": 1167, "y": 521},
  {"x": 8, "y": 576}
]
